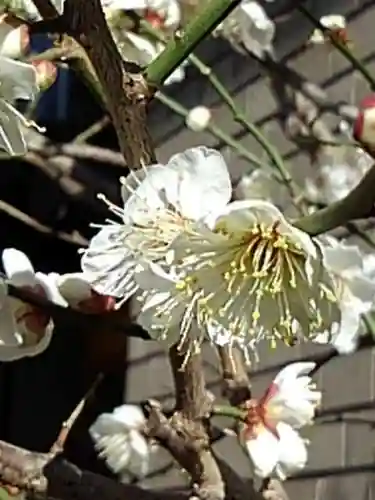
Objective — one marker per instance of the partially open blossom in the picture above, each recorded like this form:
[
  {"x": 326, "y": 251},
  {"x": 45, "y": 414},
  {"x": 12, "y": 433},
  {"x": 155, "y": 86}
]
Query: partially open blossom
[
  {"x": 336, "y": 25},
  {"x": 46, "y": 73},
  {"x": 157, "y": 207},
  {"x": 119, "y": 440},
  {"x": 364, "y": 125},
  {"x": 269, "y": 435},
  {"x": 198, "y": 118},
  {"x": 14, "y": 37},
  {"x": 249, "y": 27},
  {"x": 248, "y": 269},
  {"x": 78, "y": 293},
  {"x": 354, "y": 289},
  {"x": 26, "y": 330}
]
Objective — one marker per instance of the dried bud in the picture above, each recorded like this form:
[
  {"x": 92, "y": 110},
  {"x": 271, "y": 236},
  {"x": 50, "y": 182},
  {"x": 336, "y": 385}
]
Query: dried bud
[
  {"x": 46, "y": 73},
  {"x": 198, "y": 118},
  {"x": 14, "y": 36},
  {"x": 364, "y": 125}
]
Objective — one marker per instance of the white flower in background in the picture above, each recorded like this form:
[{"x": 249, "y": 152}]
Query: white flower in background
[
  {"x": 334, "y": 181},
  {"x": 157, "y": 207},
  {"x": 143, "y": 51},
  {"x": 78, "y": 294},
  {"x": 17, "y": 81},
  {"x": 14, "y": 37},
  {"x": 26, "y": 330},
  {"x": 160, "y": 13},
  {"x": 249, "y": 270},
  {"x": 274, "y": 446},
  {"x": 354, "y": 288},
  {"x": 335, "y": 23},
  {"x": 249, "y": 26},
  {"x": 28, "y": 10},
  {"x": 198, "y": 118},
  {"x": 261, "y": 184},
  {"x": 118, "y": 438}
]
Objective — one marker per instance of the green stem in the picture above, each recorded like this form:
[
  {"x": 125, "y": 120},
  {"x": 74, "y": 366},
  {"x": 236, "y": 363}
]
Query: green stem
[
  {"x": 228, "y": 411},
  {"x": 341, "y": 47},
  {"x": 213, "y": 129},
  {"x": 178, "y": 49},
  {"x": 358, "y": 204}
]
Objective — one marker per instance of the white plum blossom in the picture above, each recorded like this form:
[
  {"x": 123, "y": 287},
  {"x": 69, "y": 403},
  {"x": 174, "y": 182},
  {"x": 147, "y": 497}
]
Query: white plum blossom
[
  {"x": 26, "y": 330},
  {"x": 248, "y": 26},
  {"x": 142, "y": 49},
  {"x": 269, "y": 436},
  {"x": 354, "y": 289},
  {"x": 18, "y": 80},
  {"x": 334, "y": 23},
  {"x": 139, "y": 49},
  {"x": 118, "y": 438},
  {"x": 157, "y": 207},
  {"x": 161, "y": 12},
  {"x": 247, "y": 269},
  {"x": 335, "y": 180},
  {"x": 198, "y": 118},
  {"x": 262, "y": 184}
]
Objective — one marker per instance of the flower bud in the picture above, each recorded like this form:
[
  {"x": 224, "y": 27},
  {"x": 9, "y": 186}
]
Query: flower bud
[
  {"x": 14, "y": 36},
  {"x": 364, "y": 125},
  {"x": 46, "y": 73},
  {"x": 198, "y": 118}
]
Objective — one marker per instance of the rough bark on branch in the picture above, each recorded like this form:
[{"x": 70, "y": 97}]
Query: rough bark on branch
[{"x": 127, "y": 94}]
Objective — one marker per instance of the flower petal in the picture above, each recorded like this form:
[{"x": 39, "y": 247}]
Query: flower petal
[
  {"x": 18, "y": 268},
  {"x": 292, "y": 451},
  {"x": 109, "y": 266},
  {"x": 203, "y": 175},
  {"x": 263, "y": 451},
  {"x": 74, "y": 287}
]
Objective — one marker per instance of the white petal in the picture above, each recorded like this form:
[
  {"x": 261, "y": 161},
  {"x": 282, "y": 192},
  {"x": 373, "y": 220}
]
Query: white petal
[
  {"x": 18, "y": 268},
  {"x": 11, "y": 136},
  {"x": 341, "y": 257},
  {"x": 8, "y": 328},
  {"x": 204, "y": 183},
  {"x": 109, "y": 266},
  {"x": 263, "y": 452},
  {"x": 347, "y": 337},
  {"x": 139, "y": 463},
  {"x": 292, "y": 371},
  {"x": 18, "y": 79},
  {"x": 151, "y": 191},
  {"x": 49, "y": 284},
  {"x": 131, "y": 416},
  {"x": 74, "y": 287},
  {"x": 292, "y": 451}
]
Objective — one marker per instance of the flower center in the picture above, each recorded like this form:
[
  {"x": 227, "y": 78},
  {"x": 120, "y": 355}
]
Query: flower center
[{"x": 255, "y": 283}]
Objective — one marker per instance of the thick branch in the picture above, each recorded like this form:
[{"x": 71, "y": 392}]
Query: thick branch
[
  {"x": 126, "y": 94},
  {"x": 190, "y": 424}
]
